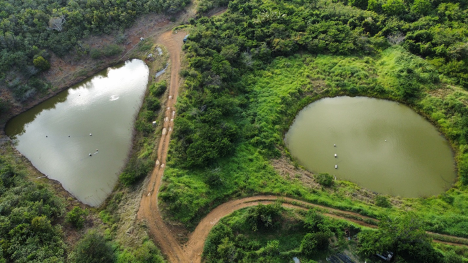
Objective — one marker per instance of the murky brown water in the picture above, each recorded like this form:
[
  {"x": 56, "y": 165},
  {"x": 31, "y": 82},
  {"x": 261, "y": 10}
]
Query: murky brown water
[
  {"x": 55, "y": 135},
  {"x": 380, "y": 145}
]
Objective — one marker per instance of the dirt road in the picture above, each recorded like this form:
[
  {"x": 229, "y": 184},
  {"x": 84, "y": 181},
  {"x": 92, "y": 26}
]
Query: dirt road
[{"x": 149, "y": 211}]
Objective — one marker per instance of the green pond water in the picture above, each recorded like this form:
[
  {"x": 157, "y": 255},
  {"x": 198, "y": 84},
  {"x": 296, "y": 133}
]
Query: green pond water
[
  {"x": 380, "y": 145},
  {"x": 55, "y": 135}
]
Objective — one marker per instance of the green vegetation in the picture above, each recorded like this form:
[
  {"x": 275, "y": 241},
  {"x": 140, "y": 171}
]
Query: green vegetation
[
  {"x": 146, "y": 253},
  {"x": 93, "y": 248},
  {"x": 253, "y": 68},
  {"x": 108, "y": 51},
  {"x": 310, "y": 235},
  {"x": 232, "y": 239},
  {"x": 27, "y": 211},
  {"x": 145, "y": 141},
  {"x": 324, "y": 179},
  {"x": 76, "y": 217},
  {"x": 141, "y": 164},
  {"x": 158, "y": 88},
  {"x": 204, "y": 6},
  {"x": 382, "y": 201},
  {"x": 249, "y": 72},
  {"x": 404, "y": 236},
  {"x": 40, "y": 63},
  {"x": 33, "y": 229}
]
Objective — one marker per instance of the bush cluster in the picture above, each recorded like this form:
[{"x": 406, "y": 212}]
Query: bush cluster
[
  {"x": 27, "y": 233},
  {"x": 108, "y": 51},
  {"x": 76, "y": 217}
]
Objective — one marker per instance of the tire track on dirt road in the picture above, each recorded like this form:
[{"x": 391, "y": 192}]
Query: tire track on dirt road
[{"x": 149, "y": 210}]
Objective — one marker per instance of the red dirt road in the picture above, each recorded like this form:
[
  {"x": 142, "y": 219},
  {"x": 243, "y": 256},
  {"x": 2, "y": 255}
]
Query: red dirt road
[{"x": 149, "y": 210}]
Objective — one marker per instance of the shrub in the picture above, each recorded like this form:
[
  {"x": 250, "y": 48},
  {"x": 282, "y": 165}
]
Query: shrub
[
  {"x": 153, "y": 104},
  {"x": 158, "y": 89},
  {"x": 452, "y": 257},
  {"x": 95, "y": 53},
  {"x": 138, "y": 168},
  {"x": 41, "y": 63},
  {"x": 382, "y": 201},
  {"x": 313, "y": 220},
  {"x": 145, "y": 45},
  {"x": 112, "y": 50},
  {"x": 76, "y": 217},
  {"x": 4, "y": 106},
  {"x": 127, "y": 178},
  {"x": 324, "y": 179},
  {"x": 308, "y": 244},
  {"x": 263, "y": 216},
  {"x": 143, "y": 254},
  {"x": 108, "y": 51},
  {"x": 93, "y": 249},
  {"x": 144, "y": 126},
  {"x": 404, "y": 236}
]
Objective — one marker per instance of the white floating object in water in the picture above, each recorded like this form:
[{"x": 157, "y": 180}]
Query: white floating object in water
[
  {"x": 90, "y": 134},
  {"x": 334, "y": 145},
  {"x": 336, "y": 155},
  {"x": 385, "y": 140},
  {"x": 90, "y": 154},
  {"x": 336, "y": 166}
]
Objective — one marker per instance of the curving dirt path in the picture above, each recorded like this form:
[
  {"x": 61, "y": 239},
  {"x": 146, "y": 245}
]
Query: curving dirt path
[
  {"x": 194, "y": 246},
  {"x": 149, "y": 210}
]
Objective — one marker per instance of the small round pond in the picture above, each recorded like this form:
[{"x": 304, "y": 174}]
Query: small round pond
[
  {"x": 380, "y": 145},
  {"x": 82, "y": 136}
]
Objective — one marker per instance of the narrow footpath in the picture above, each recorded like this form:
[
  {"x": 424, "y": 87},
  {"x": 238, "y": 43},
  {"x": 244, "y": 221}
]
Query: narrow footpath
[{"x": 149, "y": 210}]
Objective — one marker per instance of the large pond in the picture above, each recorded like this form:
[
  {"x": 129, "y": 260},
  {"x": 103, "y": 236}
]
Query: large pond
[
  {"x": 380, "y": 145},
  {"x": 82, "y": 136}
]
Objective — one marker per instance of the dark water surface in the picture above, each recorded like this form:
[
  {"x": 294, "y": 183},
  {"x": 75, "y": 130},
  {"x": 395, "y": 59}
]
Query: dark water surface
[
  {"x": 55, "y": 135},
  {"x": 380, "y": 145}
]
